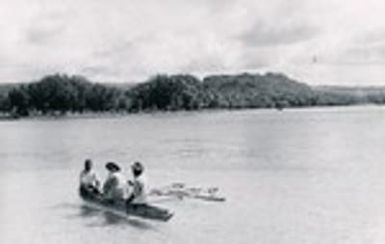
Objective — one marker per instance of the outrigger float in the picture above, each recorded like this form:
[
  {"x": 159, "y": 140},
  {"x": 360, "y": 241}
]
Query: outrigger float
[{"x": 181, "y": 191}]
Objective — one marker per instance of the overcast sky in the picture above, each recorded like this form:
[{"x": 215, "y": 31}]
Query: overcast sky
[{"x": 315, "y": 41}]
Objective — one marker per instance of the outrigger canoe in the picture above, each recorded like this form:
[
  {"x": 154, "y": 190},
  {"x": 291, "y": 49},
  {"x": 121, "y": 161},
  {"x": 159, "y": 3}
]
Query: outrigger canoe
[{"x": 145, "y": 211}]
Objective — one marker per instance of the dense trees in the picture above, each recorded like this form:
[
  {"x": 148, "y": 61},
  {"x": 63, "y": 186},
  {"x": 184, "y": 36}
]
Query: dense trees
[
  {"x": 4, "y": 98},
  {"x": 59, "y": 94},
  {"x": 168, "y": 93}
]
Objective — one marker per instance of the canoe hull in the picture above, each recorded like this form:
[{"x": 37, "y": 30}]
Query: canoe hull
[{"x": 145, "y": 211}]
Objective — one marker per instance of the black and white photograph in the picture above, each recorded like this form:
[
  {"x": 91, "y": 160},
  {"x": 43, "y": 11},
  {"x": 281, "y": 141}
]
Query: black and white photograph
[{"x": 206, "y": 121}]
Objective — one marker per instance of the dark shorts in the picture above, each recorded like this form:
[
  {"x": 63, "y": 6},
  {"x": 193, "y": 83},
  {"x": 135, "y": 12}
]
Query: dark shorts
[{"x": 89, "y": 191}]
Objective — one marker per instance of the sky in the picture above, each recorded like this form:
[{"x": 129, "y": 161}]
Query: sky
[{"x": 319, "y": 42}]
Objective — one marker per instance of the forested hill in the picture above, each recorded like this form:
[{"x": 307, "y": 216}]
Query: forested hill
[
  {"x": 61, "y": 94},
  {"x": 254, "y": 91}
]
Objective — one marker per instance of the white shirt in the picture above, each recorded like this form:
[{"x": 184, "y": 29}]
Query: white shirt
[
  {"x": 88, "y": 178},
  {"x": 119, "y": 188},
  {"x": 140, "y": 190}
]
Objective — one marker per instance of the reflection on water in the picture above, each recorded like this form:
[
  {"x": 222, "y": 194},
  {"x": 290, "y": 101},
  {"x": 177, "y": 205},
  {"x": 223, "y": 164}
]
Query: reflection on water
[
  {"x": 86, "y": 211},
  {"x": 100, "y": 218},
  {"x": 114, "y": 219}
]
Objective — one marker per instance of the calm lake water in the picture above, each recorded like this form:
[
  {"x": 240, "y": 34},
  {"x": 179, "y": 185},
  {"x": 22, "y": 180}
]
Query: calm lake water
[{"x": 297, "y": 176}]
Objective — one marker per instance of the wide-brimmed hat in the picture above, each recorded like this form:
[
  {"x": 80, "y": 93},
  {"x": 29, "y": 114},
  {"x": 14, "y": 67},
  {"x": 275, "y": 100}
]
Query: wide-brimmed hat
[{"x": 111, "y": 166}]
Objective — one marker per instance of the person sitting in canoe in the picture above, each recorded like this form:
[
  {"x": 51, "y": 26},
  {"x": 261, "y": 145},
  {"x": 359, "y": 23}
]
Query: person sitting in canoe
[
  {"x": 89, "y": 182},
  {"x": 139, "y": 185},
  {"x": 115, "y": 187},
  {"x": 137, "y": 202}
]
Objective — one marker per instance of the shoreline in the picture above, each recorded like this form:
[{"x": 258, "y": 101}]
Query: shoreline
[{"x": 103, "y": 115}]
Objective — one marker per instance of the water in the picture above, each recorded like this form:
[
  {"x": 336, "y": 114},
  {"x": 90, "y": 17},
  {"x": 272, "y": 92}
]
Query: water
[{"x": 297, "y": 176}]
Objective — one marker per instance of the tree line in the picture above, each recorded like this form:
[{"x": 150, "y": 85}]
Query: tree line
[{"x": 59, "y": 94}]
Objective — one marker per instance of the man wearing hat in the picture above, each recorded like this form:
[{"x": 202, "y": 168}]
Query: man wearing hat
[{"x": 115, "y": 187}]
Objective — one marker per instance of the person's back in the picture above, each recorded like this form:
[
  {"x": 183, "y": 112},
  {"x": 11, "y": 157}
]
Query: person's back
[
  {"x": 140, "y": 190},
  {"x": 115, "y": 187},
  {"x": 139, "y": 194}
]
